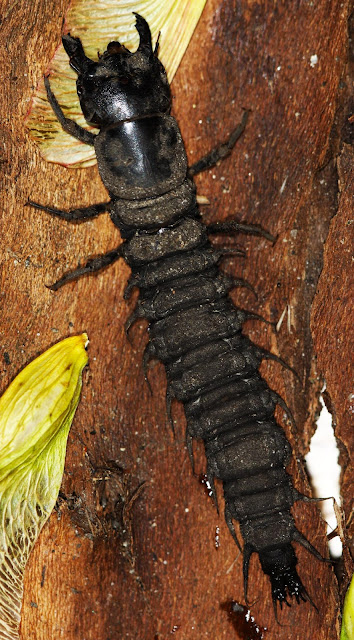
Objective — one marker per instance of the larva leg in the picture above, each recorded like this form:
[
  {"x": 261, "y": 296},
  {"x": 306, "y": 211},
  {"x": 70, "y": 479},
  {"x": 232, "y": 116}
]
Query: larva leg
[
  {"x": 68, "y": 125},
  {"x": 247, "y": 552},
  {"x": 240, "y": 282},
  {"x": 73, "y": 215},
  {"x": 91, "y": 266},
  {"x": 133, "y": 317},
  {"x": 279, "y": 400},
  {"x": 298, "y": 537},
  {"x": 169, "y": 398},
  {"x": 249, "y": 315},
  {"x": 267, "y": 355},
  {"x": 221, "y": 151},
  {"x": 239, "y": 227},
  {"x": 230, "y": 524}
]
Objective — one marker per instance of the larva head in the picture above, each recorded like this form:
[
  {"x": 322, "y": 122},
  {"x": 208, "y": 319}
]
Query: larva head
[{"x": 122, "y": 85}]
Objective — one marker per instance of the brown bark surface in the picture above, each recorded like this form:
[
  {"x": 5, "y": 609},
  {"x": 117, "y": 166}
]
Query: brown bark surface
[{"x": 130, "y": 552}]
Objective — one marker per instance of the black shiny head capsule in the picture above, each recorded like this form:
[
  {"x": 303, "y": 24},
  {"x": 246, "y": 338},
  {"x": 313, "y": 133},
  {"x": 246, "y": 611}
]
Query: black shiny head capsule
[{"x": 122, "y": 85}]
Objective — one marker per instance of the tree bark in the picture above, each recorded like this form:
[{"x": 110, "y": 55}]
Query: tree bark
[{"x": 130, "y": 552}]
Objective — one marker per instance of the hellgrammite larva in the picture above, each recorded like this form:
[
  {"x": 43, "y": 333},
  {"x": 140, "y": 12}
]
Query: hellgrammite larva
[{"x": 194, "y": 328}]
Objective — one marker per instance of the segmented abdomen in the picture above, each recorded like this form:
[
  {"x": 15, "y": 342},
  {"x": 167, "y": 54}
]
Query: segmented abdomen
[{"x": 212, "y": 368}]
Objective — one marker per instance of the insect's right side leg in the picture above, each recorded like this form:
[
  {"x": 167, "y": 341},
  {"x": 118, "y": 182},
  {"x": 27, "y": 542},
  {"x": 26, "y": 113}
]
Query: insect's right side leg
[
  {"x": 73, "y": 215},
  {"x": 221, "y": 151},
  {"x": 232, "y": 226},
  {"x": 68, "y": 125}
]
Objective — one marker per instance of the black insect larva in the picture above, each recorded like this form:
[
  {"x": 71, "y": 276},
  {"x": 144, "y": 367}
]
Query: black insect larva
[{"x": 195, "y": 329}]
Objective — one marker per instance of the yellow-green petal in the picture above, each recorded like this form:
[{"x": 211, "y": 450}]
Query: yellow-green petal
[
  {"x": 347, "y": 631},
  {"x": 97, "y": 22},
  {"x": 36, "y": 412}
]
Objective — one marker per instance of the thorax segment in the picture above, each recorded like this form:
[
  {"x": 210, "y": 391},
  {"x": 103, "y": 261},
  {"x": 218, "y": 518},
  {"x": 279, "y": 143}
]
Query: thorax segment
[{"x": 141, "y": 158}]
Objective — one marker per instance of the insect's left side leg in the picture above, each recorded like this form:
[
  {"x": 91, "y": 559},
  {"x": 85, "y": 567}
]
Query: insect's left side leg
[
  {"x": 93, "y": 265},
  {"x": 221, "y": 151},
  {"x": 73, "y": 215}
]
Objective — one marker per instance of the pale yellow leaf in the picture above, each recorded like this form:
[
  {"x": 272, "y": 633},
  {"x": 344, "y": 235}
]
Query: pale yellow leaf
[{"x": 36, "y": 412}]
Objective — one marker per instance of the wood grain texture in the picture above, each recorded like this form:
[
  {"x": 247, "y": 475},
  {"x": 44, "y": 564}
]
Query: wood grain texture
[
  {"x": 130, "y": 552},
  {"x": 332, "y": 328}
]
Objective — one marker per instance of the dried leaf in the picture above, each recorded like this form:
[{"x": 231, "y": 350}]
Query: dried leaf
[{"x": 36, "y": 412}]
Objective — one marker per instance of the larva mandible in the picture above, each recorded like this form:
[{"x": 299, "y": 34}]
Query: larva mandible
[{"x": 194, "y": 328}]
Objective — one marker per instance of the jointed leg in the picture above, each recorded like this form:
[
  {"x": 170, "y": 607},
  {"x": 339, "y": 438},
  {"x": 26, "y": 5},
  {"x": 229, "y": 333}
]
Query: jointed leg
[
  {"x": 230, "y": 524},
  {"x": 68, "y": 125},
  {"x": 240, "y": 282},
  {"x": 239, "y": 227},
  {"x": 268, "y": 355},
  {"x": 91, "y": 266},
  {"x": 220, "y": 152},
  {"x": 281, "y": 402},
  {"x": 73, "y": 215}
]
